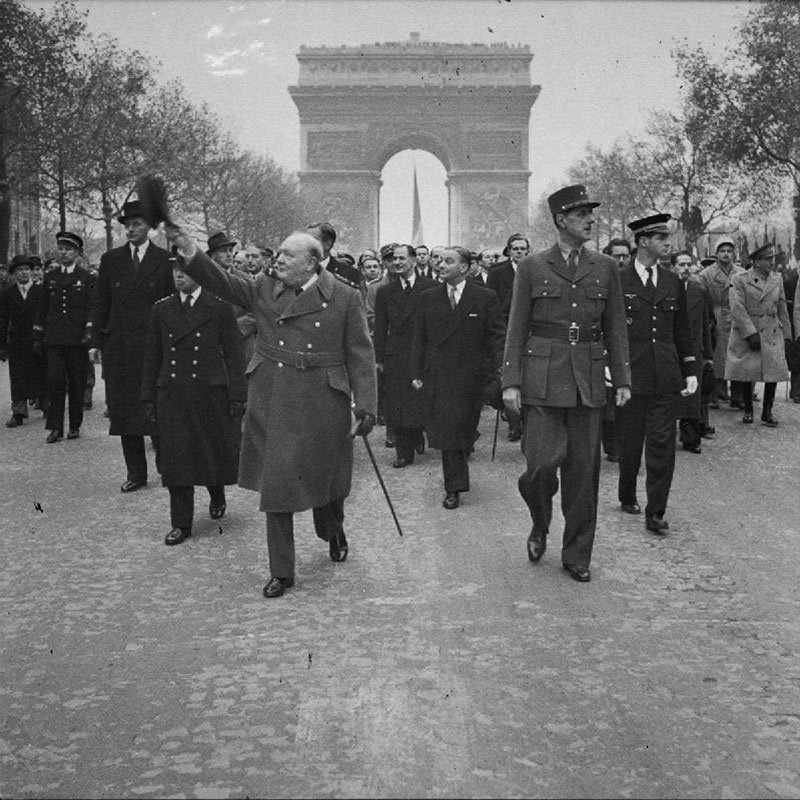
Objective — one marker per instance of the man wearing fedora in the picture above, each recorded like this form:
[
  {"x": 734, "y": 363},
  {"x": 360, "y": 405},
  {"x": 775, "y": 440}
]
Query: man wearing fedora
[
  {"x": 664, "y": 367},
  {"x": 63, "y": 324},
  {"x": 566, "y": 311},
  {"x": 131, "y": 278}
]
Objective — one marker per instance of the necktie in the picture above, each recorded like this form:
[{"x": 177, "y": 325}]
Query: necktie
[
  {"x": 649, "y": 284},
  {"x": 136, "y": 260},
  {"x": 187, "y": 305},
  {"x": 572, "y": 262},
  {"x": 297, "y": 291},
  {"x": 452, "y": 292},
  {"x": 407, "y": 287}
]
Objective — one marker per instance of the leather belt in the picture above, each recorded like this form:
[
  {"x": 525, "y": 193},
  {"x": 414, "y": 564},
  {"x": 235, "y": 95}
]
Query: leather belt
[
  {"x": 298, "y": 358},
  {"x": 568, "y": 333}
]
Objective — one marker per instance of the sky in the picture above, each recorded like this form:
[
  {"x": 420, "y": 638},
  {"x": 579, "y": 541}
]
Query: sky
[{"x": 602, "y": 66}]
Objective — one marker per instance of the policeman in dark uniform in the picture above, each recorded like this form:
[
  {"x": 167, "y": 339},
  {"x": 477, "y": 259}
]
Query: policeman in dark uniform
[
  {"x": 663, "y": 367},
  {"x": 62, "y": 324}
]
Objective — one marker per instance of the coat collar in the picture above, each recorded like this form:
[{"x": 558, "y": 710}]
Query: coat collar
[
  {"x": 586, "y": 263},
  {"x": 761, "y": 284},
  {"x": 176, "y": 320},
  {"x": 310, "y": 301}
]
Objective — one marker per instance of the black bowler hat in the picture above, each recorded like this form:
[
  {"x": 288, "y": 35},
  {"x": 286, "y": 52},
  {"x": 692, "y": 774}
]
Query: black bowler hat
[
  {"x": 219, "y": 240},
  {"x": 69, "y": 238},
  {"x": 19, "y": 261},
  {"x": 568, "y": 198},
  {"x": 656, "y": 223},
  {"x": 131, "y": 209},
  {"x": 765, "y": 251}
]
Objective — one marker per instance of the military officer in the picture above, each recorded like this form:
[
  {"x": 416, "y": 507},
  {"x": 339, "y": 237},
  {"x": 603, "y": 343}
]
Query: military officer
[
  {"x": 663, "y": 367},
  {"x": 566, "y": 312},
  {"x": 325, "y": 234},
  {"x": 63, "y": 324}
]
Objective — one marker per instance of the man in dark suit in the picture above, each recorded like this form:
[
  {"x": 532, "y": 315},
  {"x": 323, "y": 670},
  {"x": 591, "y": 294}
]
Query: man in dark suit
[
  {"x": 458, "y": 348},
  {"x": 567, "y": 311},
  {"x": 396, "y": 305},
  {"x": 194, "y": 387},
  {"x": 325, "y": 234},
  {"x": 63, "y": 324},
  {"x": 663, "y": 368},
  {"x": 131, "y": 278},
  {"x": 18, "y": 305},
  {"x": 423, "y": 262}
]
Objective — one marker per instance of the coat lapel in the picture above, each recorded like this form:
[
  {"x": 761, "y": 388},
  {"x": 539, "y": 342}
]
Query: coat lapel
[{"x": 308, "y": 302}]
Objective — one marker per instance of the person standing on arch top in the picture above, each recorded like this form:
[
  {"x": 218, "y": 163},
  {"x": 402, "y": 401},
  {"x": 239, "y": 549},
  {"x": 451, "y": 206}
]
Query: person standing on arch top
[
  {"x": 130, "y": 280},
  {"x": 567, "y": 310}
]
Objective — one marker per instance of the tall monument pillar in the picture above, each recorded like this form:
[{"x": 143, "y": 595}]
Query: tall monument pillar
[{"x": 468, "y": 105}]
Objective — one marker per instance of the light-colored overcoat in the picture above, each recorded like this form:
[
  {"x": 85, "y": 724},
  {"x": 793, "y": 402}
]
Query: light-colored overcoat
[
  {"x": 312, "y": 356},
  {"x": 717, "y": 284},
  {"x": 758, "y": 305}
]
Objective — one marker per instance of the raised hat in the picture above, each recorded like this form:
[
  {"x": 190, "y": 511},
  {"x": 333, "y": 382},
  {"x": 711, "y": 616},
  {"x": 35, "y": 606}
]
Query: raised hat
[
  {"x": 568, "y": 198},
  {"x": 70, "y": 238},
  {"x": 219, "y": 240},
  {"x": 19, "y": 261},
  {"x": 766, "y": 250},
  {"x": 655, "y": 223},
  {"x": 131, "y": 209},
  {"x": 725, "y": 240}
]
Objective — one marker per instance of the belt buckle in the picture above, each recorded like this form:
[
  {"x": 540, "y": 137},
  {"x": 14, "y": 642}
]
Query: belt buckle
[
  {"x": 299, "y": 360},
  {"x": 574, "y": 332}
]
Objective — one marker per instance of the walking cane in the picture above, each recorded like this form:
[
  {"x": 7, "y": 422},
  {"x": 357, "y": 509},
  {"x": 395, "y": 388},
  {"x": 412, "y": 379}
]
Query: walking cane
[
  {"x": 379, "y": 476},
  {"x": 496, "y": 426}
]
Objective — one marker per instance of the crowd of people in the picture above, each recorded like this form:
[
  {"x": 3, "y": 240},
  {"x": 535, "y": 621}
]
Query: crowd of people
[{"x": 259, "y": 367}]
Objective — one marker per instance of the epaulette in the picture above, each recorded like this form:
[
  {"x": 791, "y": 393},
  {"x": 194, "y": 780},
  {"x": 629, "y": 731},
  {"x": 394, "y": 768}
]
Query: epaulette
[
  {"x": 345, "y": 281},
  {"x": 164, "y": 299}
]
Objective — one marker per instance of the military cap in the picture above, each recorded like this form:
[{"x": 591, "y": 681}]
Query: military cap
[
  {"x": 71, "y": 239},
  {"x": 656, "y": 223},
  {"x": 568, "y": 198},
  {"x": 19, "y": 261},
  {"x": 219, "y": 240},
  {"x": 388, "y": 250},
  {"x": 707, "y": 261},
  {"x": 765, "y": 251},
  {"x": 725, "y": 240},
  {"x": 132, "y": 209}
]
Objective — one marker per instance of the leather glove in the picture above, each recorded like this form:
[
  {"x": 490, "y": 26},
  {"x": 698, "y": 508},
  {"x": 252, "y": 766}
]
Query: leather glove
[
  {"x": 3, "y": 355},
  {"x": 366, "y": 422},
  {"x": 754, "y": 341},
  {"x": 236, "y": 409},
  {"x": 37, "y": 347},
  {"x": 149, "y": 410}
]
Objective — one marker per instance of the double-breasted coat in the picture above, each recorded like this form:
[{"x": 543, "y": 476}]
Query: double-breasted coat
[
  {"x": 758, "y": 305},
  {"x": 717, "y": 284},
  {"x": 456, "y": 353},
  {"x": 698, "y": 311},
  {"x": 17, "y": 315},
  {"x": 125, "y": 296},
  {"x": 193, "y": 369},
  {"x": 395, "y": 311},
  {"x": 313, "y": 357},
  {"x": 539, "y": 358},
  {"x": 65, "y": 307}
]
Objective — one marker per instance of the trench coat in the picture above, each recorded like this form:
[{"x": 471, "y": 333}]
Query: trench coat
[
  {"x": 698, "y": 309},
  {"x": 193, "y": 369},
  {"x": 394, "y": 337},
  {"x": 119, "y": 328},
  {"x": 312, "y": 356},
  {"x": 758, "y": 305},
  {"x": 16, "y": 339},
  {"x": 456, "y": 353},
  {"x": 717, "y": 285}
]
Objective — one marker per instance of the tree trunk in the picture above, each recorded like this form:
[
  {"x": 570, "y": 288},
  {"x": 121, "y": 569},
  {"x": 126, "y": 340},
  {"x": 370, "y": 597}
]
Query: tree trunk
[
  {"x": 5, "y": 212},
  {"x": 107, "y": 221}
]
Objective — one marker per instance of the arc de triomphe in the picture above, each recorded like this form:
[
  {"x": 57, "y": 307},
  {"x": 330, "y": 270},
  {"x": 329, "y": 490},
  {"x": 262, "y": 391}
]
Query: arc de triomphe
[{"x": 468, "y": 104}]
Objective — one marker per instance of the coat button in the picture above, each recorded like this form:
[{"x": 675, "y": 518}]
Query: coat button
[
  {"x": 316, "y": 324},
  {"x": 198, "y": 333},
  {"x": 193, "y": 375},
  {"x": 173, "y": 363},
  {"x": 172, "y": 348},
  {"x": 574, "y": 285},
  {"x": 280, "y": 363},
  {"x": 280, "y": 343},
  {"x": 574, "y": 305},
  {"x": 310, "y": 346},
  {"x": 194, "y": 362},
  {"x": 573, "y": 343},
  {"x": 196, "y": 347},
  {"x": 172, "y": 374},
  {"x": 324, "y": 305}
]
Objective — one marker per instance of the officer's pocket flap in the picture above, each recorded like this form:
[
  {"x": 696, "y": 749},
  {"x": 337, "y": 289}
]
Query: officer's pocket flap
[
  {"x": 546, "y": 290},
  {"x": 597, "y": 350},
  {"x": 597, "y": 293},
  {"x": 337, "y": 379},
  {"x": 669, "y": 304}
]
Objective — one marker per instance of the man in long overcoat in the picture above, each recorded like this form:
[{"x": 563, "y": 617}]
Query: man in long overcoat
[
  {"x": 18, "y": 306},
  {"x": 313, "y": 359},
  {"x": 193, "y": 384},
  {"x": 756, "y": 349},
  {"x": 131, "y": 279},
  {"x": 458, "y": 348},
  {"x": 396, "y": 306}
]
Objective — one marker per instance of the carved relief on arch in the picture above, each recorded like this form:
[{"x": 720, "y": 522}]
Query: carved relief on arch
[
  {"x": 492, "y": 216},
  {"x": 333, "y": 149},
  {"x": 335, "y": 208}
]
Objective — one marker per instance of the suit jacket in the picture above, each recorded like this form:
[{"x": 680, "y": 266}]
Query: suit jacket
[
  {"x": 312, "y": 356},
  {"x": 549, "y": 369},
  {"x": 659, "y": 339},
  {"x": 119, "y": 328},
  {"x": 456, "y": 353},
  {"x": 17, "y": 317},
  {"x": 501, "y": 279},
  {"x": 717, "y": 285},
  {"x": 698, "y": 311},
  {"x": 395, "y": 312},
  {"x": 65, "y": 307}
]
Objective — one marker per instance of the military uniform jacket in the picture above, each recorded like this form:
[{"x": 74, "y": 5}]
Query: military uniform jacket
[
  {"x": 660, "y": 343},
  {"x": 717, "y": 285},
  {"x": 119, "y": 328},
  {"x": 395, "y": 312},
  {"x": 539, "y": 358},
  {"x": 344, "y": 272},
  {"x": 312, "y": 356},
  {"x": 65, "y": 307},
  {"x": 193, "y": 368},
  {"x": 456, "y": 353},
  {"x": 758, "y": 306}
]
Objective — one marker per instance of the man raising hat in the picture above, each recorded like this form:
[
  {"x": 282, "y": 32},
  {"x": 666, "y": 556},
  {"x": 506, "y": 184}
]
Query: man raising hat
[
  {"x": 566, "y": 311},
  {"x": 131, "y": 278}
]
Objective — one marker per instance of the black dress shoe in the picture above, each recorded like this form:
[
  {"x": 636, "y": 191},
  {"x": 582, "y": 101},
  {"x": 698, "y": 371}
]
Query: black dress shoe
[
  {"x": 514, "y": 436},
  {"x": 656, "y": 524},
  {"x": 399, "y": 463},
  {"x": 390, "y": 442},
  {"x": 54, "y": 436},
  {"x": 769, "y": 419},
  {"x": 216, "y": 511},
  {"x": 177, "y": 535},
  {"x": 537, "y": 544},
  {"x": 132, "y": 486},
  {"x": 15, "y": 421},
  {"x": 277, "y": 586},
  {"x": 748, "y": 418},
  {"x": 420, "y": 446},
  {"x": 337, "y": 547},
  {"x": 74, "y": 433},
  {"x": 693, "y": 448},
  {"x": 451, "y": 500},
  {"x": 631, "y": 508},
  {"x": 580, "y": 574}
]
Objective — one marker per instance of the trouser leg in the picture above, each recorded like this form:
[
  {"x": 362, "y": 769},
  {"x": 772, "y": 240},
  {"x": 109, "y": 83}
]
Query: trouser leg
[
  {"x": 181, "y": 506},
  {"x": 630, "y": 435},
  {"x": 514, "y": 424},
  {"x": 659, "y": 454},
  {"x": 794, "y": 386},
  {"x": 280, "y": 543},
  {"x": 135, "y": 458},
  {"x": 455, "y": 468},
  {"x": 690, "y": 431},
  {"x": 769, "y": 395},
  {"x": 329, "y": 520},
  {"x": 56, "y": 388},
  {"x": 76, "y": 384},
  {"x": 745, "y": 390},
  {"x": 216, "y": 495},
  {"x": 405, "y": 440}
]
